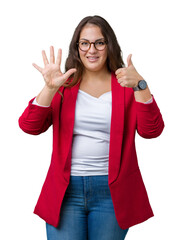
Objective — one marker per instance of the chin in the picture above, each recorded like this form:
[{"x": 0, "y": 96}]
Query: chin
[{"x": 94, "y": 68}]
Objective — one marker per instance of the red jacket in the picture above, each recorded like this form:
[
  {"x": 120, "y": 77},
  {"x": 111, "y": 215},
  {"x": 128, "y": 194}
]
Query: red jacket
[{"x": 127, "y": 189}]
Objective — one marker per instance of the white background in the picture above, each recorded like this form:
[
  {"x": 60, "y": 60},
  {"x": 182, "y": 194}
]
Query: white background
[{"x": 152, "y": 32}]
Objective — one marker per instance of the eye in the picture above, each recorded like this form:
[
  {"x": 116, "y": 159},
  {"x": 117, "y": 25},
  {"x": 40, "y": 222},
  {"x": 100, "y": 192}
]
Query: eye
[
  {"x": 84, "y": 43},
  {"x": 100, "y": 43}
]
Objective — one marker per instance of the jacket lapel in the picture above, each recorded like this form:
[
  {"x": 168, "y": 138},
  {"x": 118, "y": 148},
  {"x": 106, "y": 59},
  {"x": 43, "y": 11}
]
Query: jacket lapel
[
  {"x": 66, "y": 128},
  {"x": 117, "y": 127}
]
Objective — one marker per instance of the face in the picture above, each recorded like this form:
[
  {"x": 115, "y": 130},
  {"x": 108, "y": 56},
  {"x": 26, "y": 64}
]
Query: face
[{"x": 93, "y": 60}]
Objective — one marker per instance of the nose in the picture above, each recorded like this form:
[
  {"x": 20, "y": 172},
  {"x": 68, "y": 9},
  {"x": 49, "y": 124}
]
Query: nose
[{"x": 92, "y": 48}]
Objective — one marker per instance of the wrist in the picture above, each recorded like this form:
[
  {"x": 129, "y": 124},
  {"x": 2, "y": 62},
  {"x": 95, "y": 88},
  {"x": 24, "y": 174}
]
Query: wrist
[
  {"x": 138, "y": 79},
  {"x": 46, "y": 95},
  {"x": 49, "y": 90},
  {"x": 142, "y": 95},
  {"x": 141, "y": 85}
]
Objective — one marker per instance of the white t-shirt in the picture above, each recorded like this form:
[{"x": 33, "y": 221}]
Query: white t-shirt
[{"x": 91, "y": 135}]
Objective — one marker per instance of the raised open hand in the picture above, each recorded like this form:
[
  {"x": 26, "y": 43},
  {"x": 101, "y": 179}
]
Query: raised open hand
[{"x": 51, "y": 72}]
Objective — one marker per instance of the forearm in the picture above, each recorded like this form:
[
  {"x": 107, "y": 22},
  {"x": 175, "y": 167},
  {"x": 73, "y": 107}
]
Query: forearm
[
  {"x": 149, "y": 119},
  {"x": 35, "y": 119},
  {"x": 45, "y": 97},
  {"x": 143, "y": 95}
]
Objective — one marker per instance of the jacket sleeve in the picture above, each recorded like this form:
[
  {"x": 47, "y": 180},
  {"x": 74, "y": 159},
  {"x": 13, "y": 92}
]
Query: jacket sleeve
[
  {"x": 150, "y": 123},
  {"x": 35, "y": 119}
]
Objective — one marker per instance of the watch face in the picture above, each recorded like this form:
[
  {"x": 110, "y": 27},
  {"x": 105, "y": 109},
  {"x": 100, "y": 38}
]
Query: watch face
[{"x": 142, "y": 84}]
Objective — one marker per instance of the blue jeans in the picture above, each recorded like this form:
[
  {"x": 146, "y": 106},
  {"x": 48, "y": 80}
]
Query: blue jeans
[{"x": 87, "y": 212}]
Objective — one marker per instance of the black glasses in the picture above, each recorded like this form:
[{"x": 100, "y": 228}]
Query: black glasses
[{"x": 85, "y": 45}]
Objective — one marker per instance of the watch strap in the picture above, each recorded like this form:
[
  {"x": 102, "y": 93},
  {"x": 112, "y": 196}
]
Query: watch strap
[{"x": 136, "y": 89}]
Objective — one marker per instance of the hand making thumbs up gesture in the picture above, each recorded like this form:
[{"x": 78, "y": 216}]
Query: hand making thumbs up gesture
[{"x": 128, "y": 76}]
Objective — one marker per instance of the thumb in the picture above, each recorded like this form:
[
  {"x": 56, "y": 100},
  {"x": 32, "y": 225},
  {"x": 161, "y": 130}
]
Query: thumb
[
  {"x": 129, "y": 60},
  {"x": 69, "y": 73}
]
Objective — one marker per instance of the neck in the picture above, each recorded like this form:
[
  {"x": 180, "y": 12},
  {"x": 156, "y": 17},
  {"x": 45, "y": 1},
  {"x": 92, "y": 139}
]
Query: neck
[{"x": 95, "y": 75}]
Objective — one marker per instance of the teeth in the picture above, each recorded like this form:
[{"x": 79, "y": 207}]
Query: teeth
[{"x": 92, "y": 58}]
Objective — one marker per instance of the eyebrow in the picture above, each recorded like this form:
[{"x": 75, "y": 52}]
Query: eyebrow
[{"x": 95, "y": 40}]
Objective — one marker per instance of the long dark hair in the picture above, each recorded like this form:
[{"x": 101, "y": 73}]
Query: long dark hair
[{"x": 114, "y": 57}]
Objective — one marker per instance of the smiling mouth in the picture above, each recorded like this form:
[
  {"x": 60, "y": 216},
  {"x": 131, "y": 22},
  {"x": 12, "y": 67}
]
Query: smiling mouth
[{"x": 92, "y": 59}]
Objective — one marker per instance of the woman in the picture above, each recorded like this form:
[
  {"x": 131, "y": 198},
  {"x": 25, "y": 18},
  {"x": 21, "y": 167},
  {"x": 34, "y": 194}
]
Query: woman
[{"x": 93, "y": 189}]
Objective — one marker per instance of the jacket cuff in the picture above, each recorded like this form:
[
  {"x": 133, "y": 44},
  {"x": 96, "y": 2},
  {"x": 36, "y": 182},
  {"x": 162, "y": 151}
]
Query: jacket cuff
[
  {"x": 39, "y": 110},
  {"x": 143, "y": 107},
  {"x": 34, "y": 102}
]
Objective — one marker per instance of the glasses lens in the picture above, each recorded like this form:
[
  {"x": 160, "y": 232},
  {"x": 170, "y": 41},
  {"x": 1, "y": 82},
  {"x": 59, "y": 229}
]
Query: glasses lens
[
  {"x": 100, "y": 45},
  {"x": 84, "y": 45}
]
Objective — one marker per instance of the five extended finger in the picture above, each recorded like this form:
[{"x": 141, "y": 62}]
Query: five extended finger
[
  {"x": 52, "y": 56},
  {"x": 59, "y": 57},
  {"x": 45, "y": 59},
  {"x": 37, "y": 67},
  {"x": 69, "y": 73}
]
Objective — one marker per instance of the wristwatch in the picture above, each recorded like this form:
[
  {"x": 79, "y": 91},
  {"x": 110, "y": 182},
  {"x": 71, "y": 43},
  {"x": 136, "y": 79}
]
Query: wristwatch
[{"x": 142, "y": 85}]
